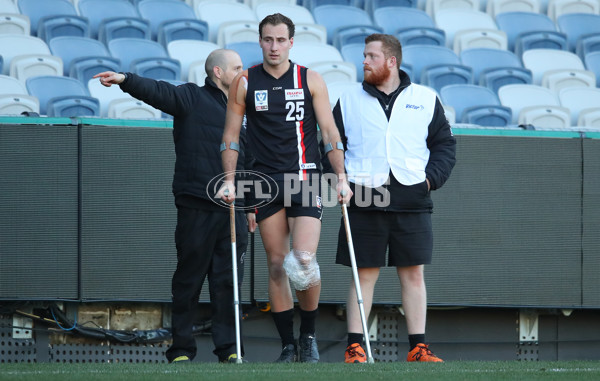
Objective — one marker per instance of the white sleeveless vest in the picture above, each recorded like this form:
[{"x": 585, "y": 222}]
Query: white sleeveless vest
[{"x": 375, "y": 145}]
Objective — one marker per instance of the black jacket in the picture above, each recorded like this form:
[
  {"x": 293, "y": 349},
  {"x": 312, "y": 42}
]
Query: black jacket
[
  {"x": 440, "y": 142},
  {"x": 198, "y": 122}
]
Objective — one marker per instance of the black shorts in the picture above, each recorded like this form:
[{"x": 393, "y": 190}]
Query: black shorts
[
  {"x": 298, "y": 198},
  {"x": 409, "y": 237}
]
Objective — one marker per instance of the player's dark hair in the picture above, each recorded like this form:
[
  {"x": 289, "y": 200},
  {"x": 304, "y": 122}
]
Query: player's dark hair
[{"x": 276, "y": 19}]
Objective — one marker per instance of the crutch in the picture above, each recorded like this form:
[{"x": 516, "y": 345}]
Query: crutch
[
  {"x": 236, "y": 294},
  {"x": 356, "y": 281}
]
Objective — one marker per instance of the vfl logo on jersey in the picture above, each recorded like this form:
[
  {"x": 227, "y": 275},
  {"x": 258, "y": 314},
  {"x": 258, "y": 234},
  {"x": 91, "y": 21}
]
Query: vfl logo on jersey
[
  {"x": 294, "y": 94},
  {"x": 261, "y": 100},
  {"x": 308, "y": 166}
]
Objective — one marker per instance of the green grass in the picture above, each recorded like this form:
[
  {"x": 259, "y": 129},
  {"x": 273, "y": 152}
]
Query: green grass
[{"x": 401, "y": 371}]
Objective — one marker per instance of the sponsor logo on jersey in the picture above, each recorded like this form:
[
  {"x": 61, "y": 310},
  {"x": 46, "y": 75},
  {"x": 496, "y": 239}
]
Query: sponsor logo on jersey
[
  {"x": 308, "y": 166},
  {"x": 261, "y": 100},
  {"x": 294, "y": 94},
  {"x": 414, "y": 107},
  {"x": 319, "y": 202},
  {"x": 277, "y": 88}
]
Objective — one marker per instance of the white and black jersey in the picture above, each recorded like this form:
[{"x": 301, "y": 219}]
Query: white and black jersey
[{"x": 281, "y": 124}]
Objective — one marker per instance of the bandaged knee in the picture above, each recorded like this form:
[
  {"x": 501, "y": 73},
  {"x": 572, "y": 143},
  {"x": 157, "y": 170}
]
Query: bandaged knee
[{"x": 302, "y": 269}]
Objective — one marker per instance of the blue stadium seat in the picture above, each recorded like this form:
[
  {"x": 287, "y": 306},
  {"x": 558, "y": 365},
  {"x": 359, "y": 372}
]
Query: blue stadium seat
[
  {"x": 145, "y": 57},
  {"x": 83, "y": 57},
  {"x": 476, "y": 105},
  {"x": 372, "y": 5},
  {"x": 172, "y": 20},
  {"x": 592, "y": 63},
  {"x": 38, "y": 9},
  {"x": 577, "y": 26},
  {"x": 494, "y": 68},
  {"x": 436, "y": 66},
  {"x": 354, "y": 53},
  {"x": 122, "y": 21},
  {"x": 354, "y": 34},
  {"x": 62, "y": 96},
  {"x": 1, "y": 63},
  {"x": 394, "y": 18},
  {"x": 588, "y": 44},
  {"x": 334, "y": 17},
  {"x": 56, "y": 26},
  {"x": 421, "y": 36},
  {"x": 515, "y": 24},
  {"x": 312, "y": 4},
  {"x": 250, "y": 52}
]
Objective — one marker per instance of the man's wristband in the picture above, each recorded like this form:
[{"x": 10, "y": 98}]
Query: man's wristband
[{"x": 329, "y": 147}]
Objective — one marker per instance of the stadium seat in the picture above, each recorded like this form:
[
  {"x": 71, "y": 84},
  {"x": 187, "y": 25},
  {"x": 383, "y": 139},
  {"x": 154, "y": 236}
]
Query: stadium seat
[
  {"x": 540, "y": 61},
  {"x": 373, "y": 5},
  {"x": 105, "y": 95},
  {"x": 249, "y": 51},
  {"x": 38, "y": 9},
  {"x": 336, "y": 89},
  {"x": 197, "y": 72},
  {"x": 9, "y": 6},
  {"x": 11, "y": 23},
  {"x": 31, "y": 65},
  {"x": 453, "y": 21},
  {"x": 13, "y": 45},
  {"x": 83, "y": 57},
  {"x": 476, "y": 105},
  {"x": 494, "y": 68},
  {"x": 435, "y": 66},
  {"x": 172, "y": 20},
  {"x": 310, "y": 33},
  {"x": 144, "y": 57},
  {"x": 334, "y": 17},
  {"x": 216, "y": 12},
  {"x": 495, "y": 7},
  {"x": 592, "y": 63},
  {"x": 236, "y": 31},
  {"x": 588, "y": 44},
  {"x": 559, "y": 79},
  {"x": 56, "y": 26},
  {"x": 355, "y": 53},
  {"x": 338, "y": 71},
  {"x": 123, "y": 20},
  {"x": 14, "y": 98},
  {"x": 535, "y": 105},
  {"x": 254, "y": 4},
  {"x": 354, "y": 34},
  {"x": 432, "y": 7},
  {"x": 392, "y": 19},
  {"x": 312, "y": 4},
  {"x": 189, "y": 51},
  {"x": 577, "y": 26},
  {"x": 306, "y": 54},
  {"x": 580, "y": 99},
  {"x": 132, "y": 109},
  {"x": 479, "y": 38},
  {"x": 557, "y": 8},
  {"x": 540, "y": 40},
  {"x": 62, "y": 96},
  {"x": 298, "y": 13},
  {"x": 515, "y": 24}
]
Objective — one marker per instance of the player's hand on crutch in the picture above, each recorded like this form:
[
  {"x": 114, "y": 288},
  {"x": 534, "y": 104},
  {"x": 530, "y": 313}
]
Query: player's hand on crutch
[
  {"x": 359, "y": 298},
  {"x": 236, "y": 294}
]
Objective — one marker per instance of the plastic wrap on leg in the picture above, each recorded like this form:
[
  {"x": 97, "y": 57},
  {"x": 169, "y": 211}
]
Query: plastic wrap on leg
[{"x": 302, "y": 269}]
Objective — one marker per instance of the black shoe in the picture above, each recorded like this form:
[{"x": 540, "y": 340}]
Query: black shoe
[
  {"x": 232, "y": 359},
  {"x": 308, "y": 348},
  {"x": 288, "y": 354}
]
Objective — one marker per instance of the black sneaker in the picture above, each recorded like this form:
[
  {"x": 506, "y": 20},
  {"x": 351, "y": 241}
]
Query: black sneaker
[
  {"x": 232, "y": 359},
  {"x": 288, "y": 354},
  {"x": 308, "y": 348}
]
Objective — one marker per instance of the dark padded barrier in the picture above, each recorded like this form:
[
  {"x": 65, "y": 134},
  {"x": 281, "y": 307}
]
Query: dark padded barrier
[
  {"x": 128, "y": 213},
  {"x": 591, "y": 222},
  {"x": 38, "y": 210}
]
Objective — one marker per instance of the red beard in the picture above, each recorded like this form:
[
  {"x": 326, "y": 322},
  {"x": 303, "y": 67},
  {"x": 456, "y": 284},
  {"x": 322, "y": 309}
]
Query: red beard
[{"x": 377, "y": 77}]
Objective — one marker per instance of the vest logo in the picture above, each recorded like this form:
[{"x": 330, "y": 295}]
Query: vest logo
[
  {"x": 261, "y": 100},
  {"x": 414, "y": 107},
  {"x": 294, "y": 94}
]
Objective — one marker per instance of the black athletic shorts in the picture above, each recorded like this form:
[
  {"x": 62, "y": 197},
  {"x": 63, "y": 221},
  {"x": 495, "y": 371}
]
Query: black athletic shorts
[
  {"x": 409, "y": 237},
  {"x": 299, "y": 198}
]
